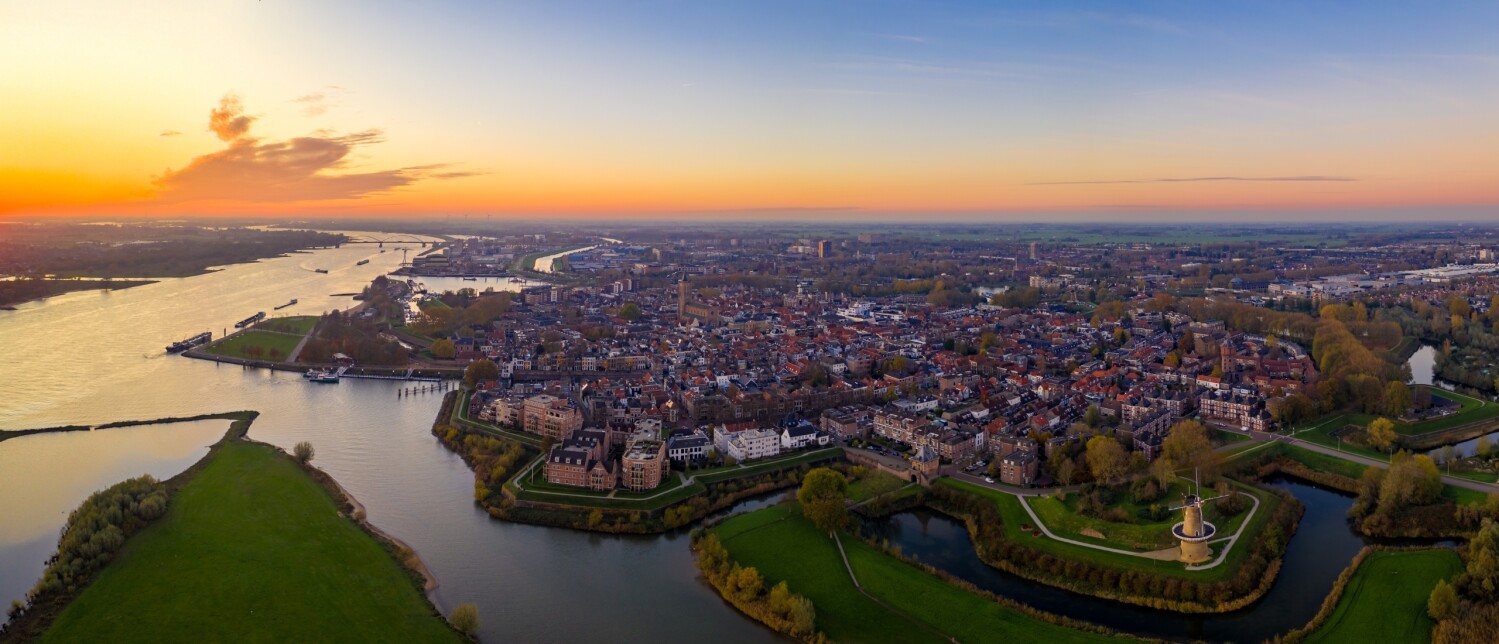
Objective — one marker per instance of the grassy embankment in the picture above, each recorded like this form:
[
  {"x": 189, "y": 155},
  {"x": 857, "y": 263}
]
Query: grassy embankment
[
  {"x": 908, "y": 604},
  {"x": 1343, "y": 467},
  {"x": 1065, "y": 519},
  {"x": 1015, "y": 518},
  {"x": 251, "y": 548},
  {"x": 534, "y": 487},
  {"x": 18, "y": 291},
  {"x": 1385, "y": 600}
]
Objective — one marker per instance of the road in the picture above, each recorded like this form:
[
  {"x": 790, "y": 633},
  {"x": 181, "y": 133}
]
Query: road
[{"x": 1323, "y": 449}]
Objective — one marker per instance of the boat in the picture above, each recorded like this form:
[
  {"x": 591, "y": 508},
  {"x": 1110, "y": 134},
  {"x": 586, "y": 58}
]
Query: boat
[
  {"x": 470, "y": 279},
  {"x": 293, "y": 301},
  {"x": 325, "y": 377},
  {"x": 250, "y": 320},
  {"x": 517, "y": 280},
  {"x": 361, "y": 262},
  {"x": 320, "y": 270},
  {"x": 179, "y": 347}
]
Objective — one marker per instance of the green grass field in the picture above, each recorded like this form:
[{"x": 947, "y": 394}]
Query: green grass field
[
  {"x": 785, "y": 547},
  {"x": 1014, "y": 517},
  {"x": 1064, "y": 519},
  {"x": 1385, "y": 601},
  {"x": 298, "y": 324},
  {"x": 1326, "y": 463},
  {"x": 239, "y": 345},
  {"x": 874, "y": 484},
  {"x": 251, "y": 550}
]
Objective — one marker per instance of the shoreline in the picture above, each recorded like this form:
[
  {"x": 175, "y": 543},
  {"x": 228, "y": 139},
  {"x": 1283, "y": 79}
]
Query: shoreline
[
  {"x": 361, "y": 517},
  {"x": 39, "y": 615}
]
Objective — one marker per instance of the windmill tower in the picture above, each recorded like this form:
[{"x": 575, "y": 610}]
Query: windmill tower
[{"x": 1193, "y": 532}]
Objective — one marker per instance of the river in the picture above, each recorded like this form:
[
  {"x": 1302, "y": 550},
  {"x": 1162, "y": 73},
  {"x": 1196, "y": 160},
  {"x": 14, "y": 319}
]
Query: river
[
  {"x": 92, "y": 357},
  {"x": 1322, "y": 547}
]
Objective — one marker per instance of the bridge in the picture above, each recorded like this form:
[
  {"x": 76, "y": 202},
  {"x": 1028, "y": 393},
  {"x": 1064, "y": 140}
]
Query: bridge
[{"x": 358, "y": 238}]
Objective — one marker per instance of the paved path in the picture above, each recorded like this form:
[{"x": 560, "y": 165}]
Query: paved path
[
  {"x": 1223, "y": 554},
  {"x": 1164, "y": 554},
  {"x": 1356, "y": 458}
]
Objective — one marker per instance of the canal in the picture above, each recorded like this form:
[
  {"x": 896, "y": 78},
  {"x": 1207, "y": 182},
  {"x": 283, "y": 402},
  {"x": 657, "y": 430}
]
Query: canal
[{"x": 93, "y": 357}]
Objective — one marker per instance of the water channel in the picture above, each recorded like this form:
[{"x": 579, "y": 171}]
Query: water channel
[{"x": 92, "y": 357}]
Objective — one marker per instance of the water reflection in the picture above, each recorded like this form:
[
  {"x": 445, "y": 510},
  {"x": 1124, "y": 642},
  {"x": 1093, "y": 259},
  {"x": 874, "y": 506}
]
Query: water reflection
[
  {"x": 1323, "y": 545},
  {"x": 46, "y": 476}
]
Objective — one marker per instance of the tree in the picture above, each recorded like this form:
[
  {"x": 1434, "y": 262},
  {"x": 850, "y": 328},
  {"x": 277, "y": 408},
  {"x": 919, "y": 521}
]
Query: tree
[
  {"x": 1066, "y": 471},
  {"x": 1480, "y": 580},
  {"x": 630, "y": 311},
  {"x": 1483, "y": 447},
  {"x": 822, "y": 498},
  {"x": 1443, "y": 602},
  {"x": 479, "y": 371},
  {"x": 304, "y": 452},
  {"x": 465, "y": 618},
  {"x": 1106, "y": 458},
  {"x": 1092, "y": 417},
  {"x": 1397, "y": 399},
  {"x": 444, "y": 349},
  {"x": 1381, "y": 434},
  {"x": 1187, "y": 445}
]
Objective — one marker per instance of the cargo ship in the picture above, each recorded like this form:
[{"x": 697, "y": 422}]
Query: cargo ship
[
  {"x": 250, "y": 320},
  {"x": 361, "y": 262},
  {"x": 179, "y": 347},
  {"x": 294, "y": 301}
]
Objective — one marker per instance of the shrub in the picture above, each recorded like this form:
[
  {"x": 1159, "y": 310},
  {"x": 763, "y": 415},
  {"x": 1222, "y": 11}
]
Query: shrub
[
  {"x": 304, "y": 452},
  {"x": 465, "y": 618}
]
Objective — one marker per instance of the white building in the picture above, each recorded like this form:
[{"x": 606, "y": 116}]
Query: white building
[{"x": 751, "y": 444}]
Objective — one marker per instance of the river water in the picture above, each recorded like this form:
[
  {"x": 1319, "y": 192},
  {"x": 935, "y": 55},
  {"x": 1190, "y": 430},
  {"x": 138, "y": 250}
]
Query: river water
[
  {"x": 94, "y": 357},
  {"x": 1322, "y": 547}
]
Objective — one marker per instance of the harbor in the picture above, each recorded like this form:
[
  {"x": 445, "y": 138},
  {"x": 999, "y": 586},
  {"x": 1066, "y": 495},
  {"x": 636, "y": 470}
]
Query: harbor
[
  {"x": 184, "y": 345},
  {"x": 250, "y": 320}
]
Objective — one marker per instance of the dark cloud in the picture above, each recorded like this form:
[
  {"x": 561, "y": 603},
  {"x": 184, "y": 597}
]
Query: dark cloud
[
  {"x": 170, "y": 133},
  {"x": 296, "y": 169},
  {"x": 1308, "y": 178}
]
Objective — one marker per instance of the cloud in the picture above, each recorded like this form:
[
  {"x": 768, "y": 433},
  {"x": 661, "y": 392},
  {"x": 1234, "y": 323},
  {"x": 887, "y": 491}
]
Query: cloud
[
  {"x": 170, "y": 133},
  {"x": 297, "y": 169},
  {"x": 228, "y": 120},
  {"x": 901, "y": 38},
  {"x": 319, "y": 102},
  {"x": 1307, "y": 178}
]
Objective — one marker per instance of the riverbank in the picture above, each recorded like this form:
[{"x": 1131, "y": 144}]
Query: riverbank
[
  {"x": 16, "y": 433},
  {"x": 510, "y": 483},
  {"x": 303, "y": 566},
  {"x": 23, "y": 291},
  {"x": 1381, "y": 596},
  {"x": 862, "y": 594}
]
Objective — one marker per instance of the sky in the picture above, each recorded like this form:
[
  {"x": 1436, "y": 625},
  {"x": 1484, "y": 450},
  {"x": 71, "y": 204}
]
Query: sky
[{"x": 777, "y": 109}]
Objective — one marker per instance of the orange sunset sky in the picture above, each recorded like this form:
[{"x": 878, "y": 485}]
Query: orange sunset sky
[{"x": 624, "y": 108}]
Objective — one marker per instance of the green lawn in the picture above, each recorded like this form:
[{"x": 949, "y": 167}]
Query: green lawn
[
  {"x": 1013, "y": 516},
  {"x": 1064, "y": 519},
  {"x": 1326, "y": 463},
  {"x": 785, "y": 547},
  {"x": 874, "y": 484},
  {"x": 239, "y": 345},
  {"x": 251, "y": 550},
  {"x": 298, "y": 324},
  {"x": 714, "y": 475},
  {"x": 1385, "y": 601}
]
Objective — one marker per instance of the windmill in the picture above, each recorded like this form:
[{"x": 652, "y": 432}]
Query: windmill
[{"x": 1193, "y": 532}]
